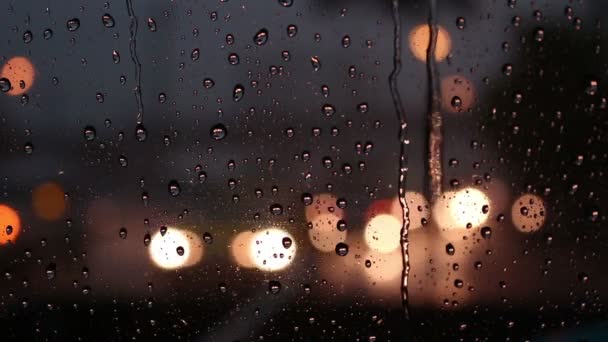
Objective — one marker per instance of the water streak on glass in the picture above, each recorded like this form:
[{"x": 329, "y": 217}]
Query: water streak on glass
[
  {"x": 403, "y": 144},
  {"x": 435, "y": 139},
  {"x": 135, "y": 60}
]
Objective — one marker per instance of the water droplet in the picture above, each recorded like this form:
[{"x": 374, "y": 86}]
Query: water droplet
[
  {"x": 233, "y": 59},
  {"x": 363, "y": 108},
  {"x": 539, "y": 35},
  {"x": 346, "y": 41},
  {"x": 73, "y": 24},
  {"x": 89, "y": 133},
  {"x": 238, "y": 93},
  {"x": 27, "y": 37},
  {"x": 449, "y": 249},
  {"x": 180, "y": 250},
  {"x": 140, "y": 133},
  {"x": 208, "y": 83},
  {"x": 147, "y": 239},
  {"x": 274, "y": 286},
  {"x": 341, "y": 249},
  {"x": 163, "y": 230},
  {"x": 5, "y": 85},
  {"x": 460, "y": 23},
  {"x": 276, "y": 209},
  {"x": 28, "y": 148},
  {"x": 261, "y": 37},
  {"x": 174, "y": 188},
  {"x": 286, "y": 3},
  {"x": 316, "y": 63},
  {"x": 328, "y": 110},
  {"x": 151, "y": 25},
  {"x": 115, "y": 56},
  {"x": 486, "y": 232},
  {"x": 122, "y": 233},
  {"x": 218, "y": 132},
  {"x": 47, "y": 34},
  {"x": 107, "y": 20},
  {"x": 292, "y": 30},
  {"x": 287, "y": 242},
  {"x": 51, "y": 271},
  {"x": 195, "y": 55}
]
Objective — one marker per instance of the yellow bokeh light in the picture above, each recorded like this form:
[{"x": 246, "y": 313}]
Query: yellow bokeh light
[
  {"x": 163, "y": 249},
  {"x": 419, "y": 42},
  {"x": 10, "y": 225},
  {"x": 240, "y": 249},
  {"x": 383, "y": 233},
  {"x": 466, "y": 208},
  {"x": 528, "y": 213},
  {"x": 268, "y": 249},
  {"x": 457, "y": 94},
  {"x": 20, "y": 72},
  {"x": 384, "y": 268},
  {"x": 48, "y": 200},
  {"x": 324, "y": 234},
  {"x": 323, "y": 204}
]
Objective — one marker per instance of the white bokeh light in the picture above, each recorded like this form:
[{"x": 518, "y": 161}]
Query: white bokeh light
[
  {"x": 383, "y": 233},
  {"x": 163, "y": 249},
  {"x": 268, "y": 251}
]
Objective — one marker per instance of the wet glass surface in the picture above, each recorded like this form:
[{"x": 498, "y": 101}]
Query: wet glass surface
[{"x": 277, "y": 171}]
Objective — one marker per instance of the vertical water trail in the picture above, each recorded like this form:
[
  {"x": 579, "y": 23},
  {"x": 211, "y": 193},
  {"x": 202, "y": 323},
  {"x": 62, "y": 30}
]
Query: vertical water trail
[
  {"x": 403, "y": 144},
  {"x": 136, "y": 63},
  {"x": 435, "y": 139}
]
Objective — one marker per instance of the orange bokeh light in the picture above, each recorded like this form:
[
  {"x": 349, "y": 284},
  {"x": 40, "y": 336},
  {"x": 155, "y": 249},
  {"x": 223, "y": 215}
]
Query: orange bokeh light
[
  {"x": 9, "y": 217},
  {"x": 457, "y": 94},
  {"x": 21, "y": 73},
  {"x": 419, "y": 42},
  {"x": 48, "y": 201}
]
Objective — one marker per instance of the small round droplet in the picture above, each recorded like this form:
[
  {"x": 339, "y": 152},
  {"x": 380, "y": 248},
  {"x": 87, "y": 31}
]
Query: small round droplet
[
  {"x": 261, "y": 37},
  {"x": 28, "y": 37},
  {"x": 539, "y": 35},
  {"x": 89, "y": 133},
  {"x": 286, "y": 3},
  {"x": 287, "y": 242},
  {"x": 460, "y": 23},
  {"x": 316, "y": 63},
  {"x": 73, "y": 24},
  {"x": 208, "y": 238},
  {"x": 486, "y": 232},
  {"x": 276, "y": 209},
  {"x": 147, "y": 240},
  {"x": 449, "y": 249},
  {"x": 274, "y": 286},
  {"x": 47, "y": 34},
  {"x": 174, "y": 188},
  {"x": 115, "y": 57},
  {"x": 196, "y": 54},
  {"x": 122, "y": 233},
  {"x": 5, "y": 85},
  {"x": 292, "y": 30},
  {"x": 238, "y": 93},
  {"x": 140, "y": 133},
  {"x": 107, "y": 20},
  {"x": 341, "y": 249},
  {"x": 151, "y": 25},
  {"x": 218, "y": 132},
  {"x": 180, "y": 250},
  {"x": 328, "y": 110}
]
